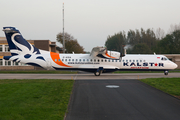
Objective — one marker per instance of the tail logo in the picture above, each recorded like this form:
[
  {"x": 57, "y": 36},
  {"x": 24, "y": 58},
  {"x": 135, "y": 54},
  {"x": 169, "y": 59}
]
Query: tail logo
[{"x": 23, "y": 47}]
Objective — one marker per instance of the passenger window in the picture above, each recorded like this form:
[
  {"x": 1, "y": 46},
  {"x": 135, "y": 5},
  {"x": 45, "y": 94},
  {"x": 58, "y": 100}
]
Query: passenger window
[
  {"x": 76, "y": 59},
  {"x": 55, "y": 59},
  {"x": 65, "y": 59},
  {"x": 87, "y": 60},
  {"x": 84, "y": 60},
  {"x": 129, "y": 60},
  {"x": 98, "y": 60},
  {"x": 101, "y": 60},
  {"x": 136, "y": 60},
  {"x": 119, "y": 60},
  {"x": 123, "y": 60},
  {"x": 91, "y": 60},
  {"x": 109, "y": 60},
  {"x": 140, "y": 60},
  {"x": 94, "y": 60},
  {"x": 62, "y": 59},
  {"x": 133, "y": 60},
  {"x": 112, "y": 60},
  {"x": 126, "y": 60},
  {"x": 69, "y": 59},
  {"x": 105, "y": 60},
  {"x": 59, "y": 60},
  {"x": 72, "y": 59},
  {"x": 79, "y": 60}
]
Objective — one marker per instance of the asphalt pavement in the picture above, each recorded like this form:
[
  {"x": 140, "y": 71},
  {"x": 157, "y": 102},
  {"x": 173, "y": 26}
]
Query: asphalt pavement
[
  {"x": 120, "y": 100},
  {"x": 85, "y": 76}
]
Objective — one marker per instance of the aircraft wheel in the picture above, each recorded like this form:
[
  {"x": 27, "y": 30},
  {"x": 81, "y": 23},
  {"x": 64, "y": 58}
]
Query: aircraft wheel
[
  {"x": 97, "y": 73},
  {"x": 166, "y": 72}
]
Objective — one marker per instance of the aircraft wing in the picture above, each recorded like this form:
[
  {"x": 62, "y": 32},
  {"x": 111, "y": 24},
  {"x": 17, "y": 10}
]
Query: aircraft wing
[
  {"x": 102, "y": 52},
  {"x": 98, "y": 50}
]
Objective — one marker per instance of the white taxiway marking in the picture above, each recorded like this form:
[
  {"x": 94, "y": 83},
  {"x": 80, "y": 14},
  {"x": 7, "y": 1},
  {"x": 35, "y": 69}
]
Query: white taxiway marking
[{"x": 112, "y": 86}]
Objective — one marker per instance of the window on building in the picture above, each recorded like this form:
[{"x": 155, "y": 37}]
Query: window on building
[
  {"x": 1, "y": 62},
  {"x": 7, "y": 48},
  {"x": 15, "y": 63},
  {"x": 7, "y": 63},
  {"x": 1, "y": 49}
]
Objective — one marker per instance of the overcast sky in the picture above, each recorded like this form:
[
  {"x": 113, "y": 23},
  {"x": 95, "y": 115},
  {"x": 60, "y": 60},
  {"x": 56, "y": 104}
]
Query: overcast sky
[{"x": 89, "y": 21}]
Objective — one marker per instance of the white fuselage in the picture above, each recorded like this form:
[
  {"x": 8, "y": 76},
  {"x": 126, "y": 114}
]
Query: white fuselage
[{"x": 87, "y": 63}]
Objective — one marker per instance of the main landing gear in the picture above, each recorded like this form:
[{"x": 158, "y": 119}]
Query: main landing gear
[
  {"x": 98, "y": 72},
  {"x": 166, "y": 72}
]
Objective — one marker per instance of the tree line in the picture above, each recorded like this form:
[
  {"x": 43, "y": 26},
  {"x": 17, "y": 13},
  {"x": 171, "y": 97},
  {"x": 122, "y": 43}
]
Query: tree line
[
  {"x": 146, "y": 41},
  {"x": 135, "y": 41}
]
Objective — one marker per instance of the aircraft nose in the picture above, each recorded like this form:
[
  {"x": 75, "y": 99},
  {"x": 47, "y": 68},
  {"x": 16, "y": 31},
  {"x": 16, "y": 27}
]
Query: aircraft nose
[{"x": 175, "y": 65}]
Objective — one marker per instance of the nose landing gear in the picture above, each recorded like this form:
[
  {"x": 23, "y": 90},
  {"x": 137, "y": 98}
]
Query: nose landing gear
[{"x": 166, "y": 72}]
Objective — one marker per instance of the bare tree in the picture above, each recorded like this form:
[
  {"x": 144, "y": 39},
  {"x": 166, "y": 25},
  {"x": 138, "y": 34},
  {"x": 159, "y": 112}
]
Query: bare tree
[
  {"x": 160, "y": 33},
  {"x": 173, "y": 28}
]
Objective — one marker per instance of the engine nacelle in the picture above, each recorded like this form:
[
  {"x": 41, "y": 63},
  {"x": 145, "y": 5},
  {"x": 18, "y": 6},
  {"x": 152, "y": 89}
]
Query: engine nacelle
[{"x": 114, "y": 54}]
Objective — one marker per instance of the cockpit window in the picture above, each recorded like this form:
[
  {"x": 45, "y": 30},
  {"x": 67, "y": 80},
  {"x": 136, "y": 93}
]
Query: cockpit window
[{"x": 164, "y": 58}]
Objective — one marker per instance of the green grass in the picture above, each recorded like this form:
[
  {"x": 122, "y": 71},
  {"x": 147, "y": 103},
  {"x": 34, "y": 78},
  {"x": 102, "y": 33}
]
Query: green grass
[
  {"x": 38, "y": 72},
  {"x": 167, "y": 85},
  {"x": 34, "y": 99}
]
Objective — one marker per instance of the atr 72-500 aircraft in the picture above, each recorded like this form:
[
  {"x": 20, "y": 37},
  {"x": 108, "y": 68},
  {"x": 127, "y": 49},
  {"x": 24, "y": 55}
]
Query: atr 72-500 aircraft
[{"x": 98, "y": 61}]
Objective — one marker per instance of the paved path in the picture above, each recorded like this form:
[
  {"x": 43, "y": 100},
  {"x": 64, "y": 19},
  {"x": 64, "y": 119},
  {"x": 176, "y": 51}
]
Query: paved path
[
  {"x": 88, "y": 76},
  {"x": 132, "y": 100}
]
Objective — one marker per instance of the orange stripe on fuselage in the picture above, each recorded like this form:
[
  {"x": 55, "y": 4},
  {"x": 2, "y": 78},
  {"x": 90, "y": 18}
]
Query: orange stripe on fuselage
[
  {"x": 57, "y": 57},
  {"x": 109, "y": 55}
]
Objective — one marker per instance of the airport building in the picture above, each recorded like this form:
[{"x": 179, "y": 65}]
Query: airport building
[
  {"x": 10, "y": 65},
  {"x": 48, "y": 46}
]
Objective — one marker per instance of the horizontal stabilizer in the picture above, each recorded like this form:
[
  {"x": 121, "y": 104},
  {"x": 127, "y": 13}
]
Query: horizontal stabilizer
[{"x": 7, "y": 57}]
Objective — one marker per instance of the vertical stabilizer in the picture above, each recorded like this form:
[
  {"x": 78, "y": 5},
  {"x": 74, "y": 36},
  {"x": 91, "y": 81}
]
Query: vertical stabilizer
[{"x": 17, "y": 44}]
